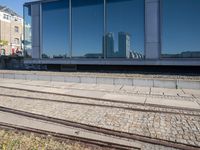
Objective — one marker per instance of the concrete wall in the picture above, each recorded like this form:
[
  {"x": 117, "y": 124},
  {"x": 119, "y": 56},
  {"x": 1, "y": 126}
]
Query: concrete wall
[{"x": 146, "y": 82}]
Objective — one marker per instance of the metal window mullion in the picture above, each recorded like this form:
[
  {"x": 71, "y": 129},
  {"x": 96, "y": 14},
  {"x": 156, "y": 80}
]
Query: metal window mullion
[
  {"x": 24, "y": 49},
  {"x": 105, "y": 29},
  {"x": 41, "y": 31},
  {"x": 70, "y": 28}
]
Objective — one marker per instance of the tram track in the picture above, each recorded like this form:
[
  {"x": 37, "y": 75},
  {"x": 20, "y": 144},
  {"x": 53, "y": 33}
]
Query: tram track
[
  {"x": 98, "y": 101},
  {"x": 68, "y": 132},
  {"x": 97, "y": 104},
  {"x": 103, "y": 90},
  {"x": 90, "y": 128}
]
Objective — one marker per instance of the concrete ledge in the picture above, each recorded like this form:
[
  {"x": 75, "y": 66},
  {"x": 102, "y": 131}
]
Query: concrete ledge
[
  {"x": 105, "y": 80},
  {"x": 9, "y": 76},
  {"x": 171, "y": 84},
  {"x": 44, "y": 78},
  {"x": 123, "y": 81},
  {"x": 137, "y": 81},
  {"x": 143, "y": 82},
  {"x": 20, "y": 76},
  {"x": 73, "y": 79},
  {"x": 188, "y": 84},
  {"x": 91, "y": 80},
  {"x": 1, "y": 76},
  {"x": 31, "y": 77},
  {"x": 58, "y": 78}
]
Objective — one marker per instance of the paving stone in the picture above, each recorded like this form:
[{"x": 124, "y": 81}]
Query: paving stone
[
  {"x": 167, "y": 124},
  {"x": 173, "y": 103}
]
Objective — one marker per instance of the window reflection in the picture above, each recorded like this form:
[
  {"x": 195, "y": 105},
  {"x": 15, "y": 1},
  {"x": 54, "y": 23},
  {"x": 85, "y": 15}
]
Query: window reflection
[
  {"x": 27, "y": 32},
  {"x": 55, "y": 27},
  {"x": 181, "y": 28},
  {"x": 125, "y": 26},
  {"x": 87, "y": 28}
]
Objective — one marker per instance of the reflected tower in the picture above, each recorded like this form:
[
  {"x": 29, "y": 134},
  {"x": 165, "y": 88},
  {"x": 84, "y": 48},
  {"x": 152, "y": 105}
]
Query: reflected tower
[
  {"x": 124, "y": 44},
  {"x": 109, "y": 44}
]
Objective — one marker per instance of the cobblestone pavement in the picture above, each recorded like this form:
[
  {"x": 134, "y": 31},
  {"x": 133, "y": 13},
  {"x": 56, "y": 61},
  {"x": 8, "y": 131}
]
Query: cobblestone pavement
[{"x": 182, "y": 126}]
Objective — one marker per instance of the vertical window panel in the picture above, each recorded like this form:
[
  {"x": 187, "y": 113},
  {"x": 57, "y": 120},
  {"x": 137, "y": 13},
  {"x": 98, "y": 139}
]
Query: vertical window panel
[
  {"x": 27, "y": 42},
  {"x": 125, "y": 29},
  {"x": 180, "y": 28},
  {"x": 87, "y": 28},
  {"x": 55, "y": 27}
]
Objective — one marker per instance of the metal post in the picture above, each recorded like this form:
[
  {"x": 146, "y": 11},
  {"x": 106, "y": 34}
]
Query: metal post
[
  {"x": 105, "y": 30},
  {"x": 70, "y": 28}
]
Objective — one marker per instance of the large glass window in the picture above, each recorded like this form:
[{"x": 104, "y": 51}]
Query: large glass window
[
  {"x": 55, "y": 27},
  {"x": 125, "y": 29},
  {"x": 181, "y": 28},
  {"x": 87, "y": 28},
  {"x": 27, "y": 42}
]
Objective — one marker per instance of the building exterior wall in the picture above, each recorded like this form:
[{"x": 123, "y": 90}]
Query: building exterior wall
[
  {"x": 152, "y": 42},
  {"x": 11, "y": 30}
]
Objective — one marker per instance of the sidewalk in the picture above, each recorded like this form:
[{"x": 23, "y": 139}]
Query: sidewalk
[
  {"x": 157, "y": 113},
  {"x": 185, "y": 99}
]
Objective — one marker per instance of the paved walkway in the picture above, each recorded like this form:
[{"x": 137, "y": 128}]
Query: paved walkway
[
  {"x": 181, "y": 98},
  {"x": 147, "y": 111}
]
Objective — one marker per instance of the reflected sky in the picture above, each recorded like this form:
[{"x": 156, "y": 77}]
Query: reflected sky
[
  {"x": 87, "y": 27},
  {"x": 181, "y": 26},
  {"x": 55, "y": 29}
]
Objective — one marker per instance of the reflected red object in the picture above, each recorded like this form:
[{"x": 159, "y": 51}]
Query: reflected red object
[{"x": 13, "y": 51}]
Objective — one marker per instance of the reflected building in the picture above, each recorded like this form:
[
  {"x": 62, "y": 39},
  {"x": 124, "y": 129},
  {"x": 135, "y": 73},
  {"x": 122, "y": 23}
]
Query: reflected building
[
  {"x": 124, "y": 44},
  {"x": 11, "y": 30},
  {"x": 77, "y": 30},
  {"x": 27, "y": 34},
  {"x": 108, "y": 47},
  {"x": 136, "y": 55}
]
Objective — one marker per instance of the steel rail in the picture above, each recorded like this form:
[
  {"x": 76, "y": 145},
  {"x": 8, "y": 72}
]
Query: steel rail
[
  {"x": 99, "y": 105},
  {"x": 102, "y": 99},
  {"x": 63, "y": 137},
  {"x": 120, "y": 134},
  {"x": 128, "y": 92}
]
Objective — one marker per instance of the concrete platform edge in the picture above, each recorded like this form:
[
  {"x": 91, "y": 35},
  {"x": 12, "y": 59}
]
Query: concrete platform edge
[{"x": 161, "y": 83}]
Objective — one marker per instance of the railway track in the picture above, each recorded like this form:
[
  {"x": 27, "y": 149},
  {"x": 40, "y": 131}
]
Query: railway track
[
  {"x": 96, "y": 100},
  {"x": 81, "y": 132},
  {"x": 99, "y": 105},
  {"x": 103, "y": 90},
  {"x": 59, "y": 130}
]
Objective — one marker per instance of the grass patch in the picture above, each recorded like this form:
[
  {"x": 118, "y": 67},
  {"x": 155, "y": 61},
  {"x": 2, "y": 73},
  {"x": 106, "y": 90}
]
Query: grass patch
[{"x": 18, "y": 140}]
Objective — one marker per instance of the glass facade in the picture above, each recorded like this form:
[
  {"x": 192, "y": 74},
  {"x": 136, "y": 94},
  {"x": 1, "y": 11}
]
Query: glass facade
[
  {"x": 180, "y": 28},
  {"x": 125, "y": 29},
  {"x": 55, "y": 27},
  {"x": 92, "y": 29},
  {"x": 27, "y": 42},
  {"x": 87, "y": 28}
]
